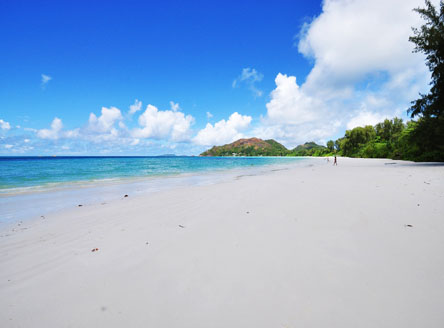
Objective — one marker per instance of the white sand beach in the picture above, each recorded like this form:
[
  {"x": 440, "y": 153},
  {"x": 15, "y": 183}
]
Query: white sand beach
[{"x": 357, "y": 245}]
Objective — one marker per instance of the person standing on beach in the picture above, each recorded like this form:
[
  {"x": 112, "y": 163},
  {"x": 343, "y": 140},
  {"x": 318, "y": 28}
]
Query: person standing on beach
[{"x": 335, "y": 162}]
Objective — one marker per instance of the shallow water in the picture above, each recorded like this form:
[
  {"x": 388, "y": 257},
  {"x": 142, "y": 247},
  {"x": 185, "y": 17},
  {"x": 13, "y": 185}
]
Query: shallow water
[
  {"x": 24, "y": 174},
  {"x": 31, "y": 187}
]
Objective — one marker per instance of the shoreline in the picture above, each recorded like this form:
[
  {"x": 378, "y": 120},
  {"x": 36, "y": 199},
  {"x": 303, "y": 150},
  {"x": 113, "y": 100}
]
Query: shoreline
[
  {"x": 65, "y": 195},
  {"x": 357, "y": 245},
  {"x": 85, "y": 183}
]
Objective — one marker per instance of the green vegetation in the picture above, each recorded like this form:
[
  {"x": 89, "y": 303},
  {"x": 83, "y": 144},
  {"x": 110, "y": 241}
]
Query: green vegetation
[
  {"x": 389, "y": 139},
  {"x": 249, "y": 147},
  {"x": 420, "y": 140},
  {"x": 259, "y": 147},
  {"x": 426, "y": 137},
  {"x": 310, "y": 149}
]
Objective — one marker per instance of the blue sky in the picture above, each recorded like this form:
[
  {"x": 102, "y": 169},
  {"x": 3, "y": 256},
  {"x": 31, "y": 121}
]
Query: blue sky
[{"x": 199, "y": 73}]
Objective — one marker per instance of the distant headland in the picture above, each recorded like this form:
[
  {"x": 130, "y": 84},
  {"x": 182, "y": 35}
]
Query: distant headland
[
  {"x": 388, "y": 139},
  {"x": 270, "y": 147}
]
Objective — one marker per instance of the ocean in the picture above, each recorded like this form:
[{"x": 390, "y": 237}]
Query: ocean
[
  {"x": 48, "y": 184},
  {"x": 24, "y": 174}
]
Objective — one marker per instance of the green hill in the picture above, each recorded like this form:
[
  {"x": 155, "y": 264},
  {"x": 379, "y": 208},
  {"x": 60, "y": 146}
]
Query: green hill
[
  {"x": 309, "y": 149},
  {"x": 248, "y": 147}
]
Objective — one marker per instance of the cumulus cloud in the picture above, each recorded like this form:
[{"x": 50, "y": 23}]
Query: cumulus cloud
[
  {"x": 293, "y": 135},
  {"x": 365, "y": 118},
  {"x": 4, "y": 125},
  {"x": 109, "y": 127},
  {"x": 45, "y": 80},
  {"x": 209, "y": 115},
  {"x": 363, "y": 70},
  {"x": 249, "y": 77},
  {"x": 223, "y": 131},
  {"x": 168, "y": 124},
  {"x": 293, "y": 116},
  {"x": 352, "y": 39},
  {"x": 135, "y": 107},
  {"x": 105, "y": 122},
  {"x": 103, "y": 128},
  {"x": 53, "y": 132},
  {"x": 56, "y": 131},
  {"x": 290, "y": 104}
]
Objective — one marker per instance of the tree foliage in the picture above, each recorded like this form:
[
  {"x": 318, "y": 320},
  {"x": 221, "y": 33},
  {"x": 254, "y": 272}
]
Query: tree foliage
[
  {"x": 258, "y": 147},
  {"x": 310, "y": 149},
  {"x": 387, "y": 139},
  {"x": 429, "y": 39},
  {"x": 428, "y": 135},
  {"x": 379, "y": 141},
  {"x": 252, "y": 147}
]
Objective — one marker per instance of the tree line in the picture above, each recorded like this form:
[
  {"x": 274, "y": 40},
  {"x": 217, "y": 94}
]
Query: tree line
[
  {"x": 389, "y": 139},
  {"x": 421, "y": 139}
]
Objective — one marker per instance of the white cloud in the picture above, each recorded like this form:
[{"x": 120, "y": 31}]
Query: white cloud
[
  {"x": 352, "y": 39},
  {"x": 26, "y": 140},
  {"x": 363, "y": 70},
  {"x": 223, "y": 131},
  {"x": 290, "y": 104},
  {"x": 109, "y": 127},
  {"x": 55, "y": 132},
  {"x": 52, "y": 133},
  {"x": 105, "y": 122},
  {"x": 293, "y": 135},
  {"x": 209, "y": 115},
  {"x": 174, "y": 106},
  {"x": 45, "y": 80},
  {"x": 364, "y": 118},
  {"x": 71, "y": 133},
  {"x": 294, "y": 117},
  {"x": 4, "y": 125},
  {"x": 250, "y": 77},
  {"x": 166, "y": 124},
  {"x": 9, "y": 146},
  {"x": 135, "y": 107}
]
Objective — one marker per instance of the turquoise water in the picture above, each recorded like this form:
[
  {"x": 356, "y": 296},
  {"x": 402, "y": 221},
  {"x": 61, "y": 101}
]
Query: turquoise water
[
  {"x": 31, "y": 187},
  {"x": 28, "y": 173}
]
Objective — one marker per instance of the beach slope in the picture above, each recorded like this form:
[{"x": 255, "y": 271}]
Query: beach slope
[{"x": 357, "y": 245}]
